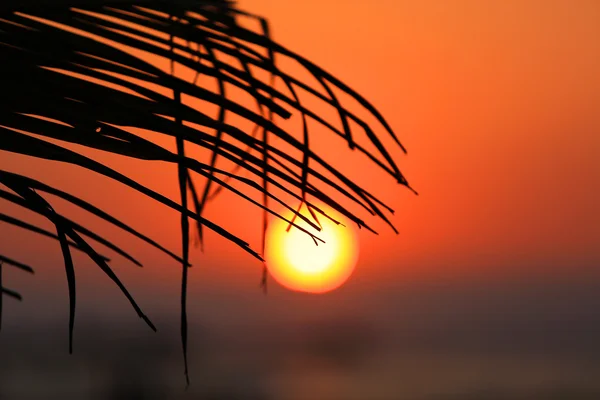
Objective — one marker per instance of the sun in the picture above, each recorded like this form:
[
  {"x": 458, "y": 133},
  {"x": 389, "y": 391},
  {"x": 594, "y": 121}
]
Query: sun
[{"x": 297, "y": 263}]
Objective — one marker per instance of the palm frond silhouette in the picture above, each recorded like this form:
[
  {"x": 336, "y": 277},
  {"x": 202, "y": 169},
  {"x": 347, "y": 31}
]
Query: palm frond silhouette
[{"x": 69, "y": 75}]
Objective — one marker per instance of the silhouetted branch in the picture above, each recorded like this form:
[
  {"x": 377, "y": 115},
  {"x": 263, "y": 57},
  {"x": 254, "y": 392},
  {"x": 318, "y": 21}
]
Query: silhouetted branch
[{"x": 68, "y": 76}]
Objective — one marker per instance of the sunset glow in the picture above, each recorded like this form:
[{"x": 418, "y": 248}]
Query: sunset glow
[{"x": 297, "y": 263}]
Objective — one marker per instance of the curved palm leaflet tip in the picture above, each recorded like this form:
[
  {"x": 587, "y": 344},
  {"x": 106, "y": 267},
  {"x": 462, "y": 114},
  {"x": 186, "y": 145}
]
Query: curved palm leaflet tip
[{"x": 66, "y": 77}]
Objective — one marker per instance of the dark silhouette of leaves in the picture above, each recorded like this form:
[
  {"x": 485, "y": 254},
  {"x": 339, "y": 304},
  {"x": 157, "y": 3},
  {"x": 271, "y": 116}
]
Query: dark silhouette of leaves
[{"x": 88, "y": 73}]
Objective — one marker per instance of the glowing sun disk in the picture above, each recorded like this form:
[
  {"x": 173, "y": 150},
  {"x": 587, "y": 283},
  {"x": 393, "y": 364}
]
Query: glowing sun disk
[{"x": 297, "y": 263}]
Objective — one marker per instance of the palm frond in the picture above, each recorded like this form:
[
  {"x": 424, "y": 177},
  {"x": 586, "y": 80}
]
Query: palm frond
[{"x": 90, "y": 73}]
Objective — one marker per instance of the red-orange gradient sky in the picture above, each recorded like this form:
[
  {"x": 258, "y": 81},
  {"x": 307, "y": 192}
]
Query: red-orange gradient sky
[
  {"x": 497, "y": 104},
  {"x": 491, "y": 287}
]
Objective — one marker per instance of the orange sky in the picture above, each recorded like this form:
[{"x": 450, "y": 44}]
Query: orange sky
[
  {"x": 496, "y": 104},
  {"x": 492, "y": 281}
]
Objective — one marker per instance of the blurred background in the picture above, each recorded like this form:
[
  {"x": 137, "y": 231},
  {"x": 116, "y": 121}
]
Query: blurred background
[{"x": 489, "y": 291}]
